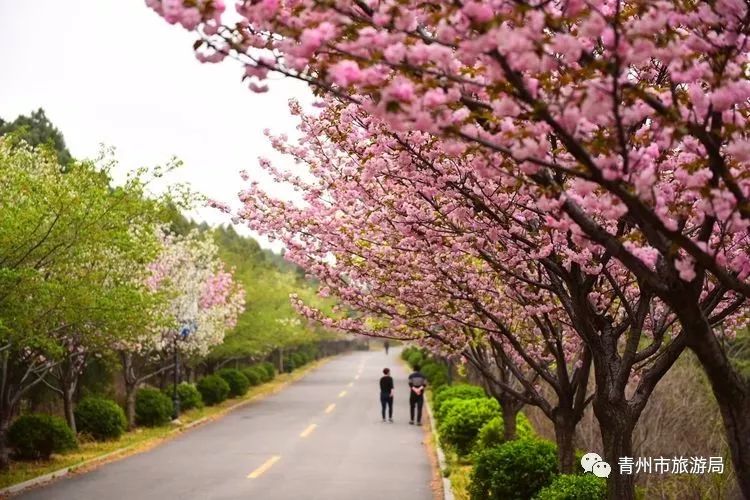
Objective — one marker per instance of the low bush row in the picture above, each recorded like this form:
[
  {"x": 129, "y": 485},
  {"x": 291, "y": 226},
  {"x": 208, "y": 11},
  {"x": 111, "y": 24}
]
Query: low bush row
[
  {"x": 37, "y": 436},
  {"x": 471, "y": 425}
]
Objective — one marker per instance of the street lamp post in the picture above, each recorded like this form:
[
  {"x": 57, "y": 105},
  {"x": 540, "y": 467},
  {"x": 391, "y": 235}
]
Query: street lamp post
[
  {"x": 184, "y": 332},
  {"x": 175, "y": 395}
]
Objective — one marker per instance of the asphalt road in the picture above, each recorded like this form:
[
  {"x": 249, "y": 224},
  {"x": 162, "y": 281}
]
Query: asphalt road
[{"x": 321, "y": 438}]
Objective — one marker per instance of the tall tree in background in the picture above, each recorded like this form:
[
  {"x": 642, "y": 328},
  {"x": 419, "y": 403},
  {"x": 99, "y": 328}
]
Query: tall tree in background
[{"x": 37, "y": 130}]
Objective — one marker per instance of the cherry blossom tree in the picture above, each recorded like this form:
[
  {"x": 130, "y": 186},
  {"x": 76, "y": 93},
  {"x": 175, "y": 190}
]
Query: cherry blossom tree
[
  {"x": 636, "y": 109},
  {"x": 399, "y": 235},
  {"x": 201, "y": 299}
]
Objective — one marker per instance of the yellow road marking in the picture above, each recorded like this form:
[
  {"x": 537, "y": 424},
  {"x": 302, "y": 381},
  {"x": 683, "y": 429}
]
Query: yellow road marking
[
  {"x": 308, "y": 431},
  {"x": 330, "y": 407},
  {"x": 342, "y": 394},
  {"x": 263, "y": 468}
]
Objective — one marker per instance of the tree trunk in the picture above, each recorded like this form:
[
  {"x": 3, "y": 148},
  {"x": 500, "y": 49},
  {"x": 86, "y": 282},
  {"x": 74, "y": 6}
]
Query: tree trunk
[
  {"x": 131, "y": 382},
  {"x": 733, "y": 398},
  {"x": 509, "y": 422},
  {"x": 69, "y": 372},
  {"x": 617, "y": 437},
  {"x": 731, "y": 391},
  {"x": 130, "y": 404},
  {"x": 565, "y": 428},
  {"x": 69, "y": 406},
  {"x": 4, "y": 449}
]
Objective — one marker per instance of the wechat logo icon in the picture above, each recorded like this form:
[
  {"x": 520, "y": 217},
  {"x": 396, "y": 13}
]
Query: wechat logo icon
[{"x": 591, "y": 462}]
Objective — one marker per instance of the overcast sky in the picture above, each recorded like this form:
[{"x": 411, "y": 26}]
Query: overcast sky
[{"x": 113, "y": 72}]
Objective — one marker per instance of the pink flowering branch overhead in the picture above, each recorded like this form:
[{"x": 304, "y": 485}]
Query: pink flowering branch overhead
[{"x": 624, "y": 123}]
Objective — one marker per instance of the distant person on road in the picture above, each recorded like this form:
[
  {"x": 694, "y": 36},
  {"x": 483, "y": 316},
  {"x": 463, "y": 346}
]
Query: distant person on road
[
  {"x": 417, "y": 385},
  {"x": 386, "y": 394},
  {"x": 387, "y": 345}
]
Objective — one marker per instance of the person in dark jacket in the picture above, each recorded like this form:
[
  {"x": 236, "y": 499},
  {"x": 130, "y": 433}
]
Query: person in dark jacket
[
  {"x": 386, "y": 394},
  {"x": 417, "y": 385}
]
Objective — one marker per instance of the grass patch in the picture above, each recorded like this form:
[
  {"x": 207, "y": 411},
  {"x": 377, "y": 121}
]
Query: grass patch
[
  {"x": 460, "y": 477},
  {"x": 142, "y": 438}
]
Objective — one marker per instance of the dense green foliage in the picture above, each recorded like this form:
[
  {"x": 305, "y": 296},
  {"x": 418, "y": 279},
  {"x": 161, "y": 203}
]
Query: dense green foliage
[
  {"x": 492, "y": 433},
  {"x": 461, "y": 424},
  {"x": 213, "y": 389},
  {"x": 100, "y": 418},
  {"x": 82, "y": 247},
  {"x": 238, "y": 383},
  {"x": 37, "y": 436},
  {"x": 516, "y": 470},
  {"x": 575, "y": 487},
  {"x": 152, "y": 407},
  {"x": 458, "y": 391},
  {"x": 271, "y": 322}
]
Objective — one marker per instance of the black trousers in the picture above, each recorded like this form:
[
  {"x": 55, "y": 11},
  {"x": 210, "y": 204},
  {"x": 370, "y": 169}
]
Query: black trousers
[
  {"x": 386, "y": 400},
  {"x": 416, "y": 402}
]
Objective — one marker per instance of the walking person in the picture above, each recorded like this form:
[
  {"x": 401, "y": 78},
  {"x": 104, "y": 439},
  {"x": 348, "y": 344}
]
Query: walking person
[
  {"x": 386, "y": 394},
  {"x": 417, "y": 385},
  {"x": 387, "y": 345}
]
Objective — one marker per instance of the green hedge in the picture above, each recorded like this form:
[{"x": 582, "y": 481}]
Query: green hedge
[
  {"x": 152, "y": 407},
  {"x": 516, "y": 470},
  {"x": 436, "y": 374},
  {"x": 461, "y": 424},
  {"x": 100, "y": 418},
  {"x": 493, "y": 433},
  {"x": 213, "y": 389},
  {"x": 458, "y": 391},
  {"x": 575, "y": 487},
  {"x": 38, "y": 435},
  {"x": 238, "y": 383}
]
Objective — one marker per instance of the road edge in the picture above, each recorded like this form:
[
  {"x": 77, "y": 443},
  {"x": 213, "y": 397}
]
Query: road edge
[
  {"x": 93, "y": 463},
  {"x": 446, "y": 481},
  {"x": 447, "y": 485}
]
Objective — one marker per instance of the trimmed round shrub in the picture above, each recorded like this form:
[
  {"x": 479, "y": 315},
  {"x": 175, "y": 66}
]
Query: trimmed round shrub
[
  {"x": 406, "y": 352},
  {"x": 516, "y": 470},
  {"x": 152, "y": 407},
  {"x": 37, "y": 436},
  {"x": 189, "y": 396},
  {"x": 458, "y": 391},
  {"x": 213, "y": 389},
  {"x": 100, "y": 418},
  {"x": 270, "y": 370},
  {"x": 463, "y": 421},
  {"x": 255, "y": 375},
  {"x": 493, "y": 433},
  {"x": 575, "y": 487},
  {"x": 238, "y": 383},
  {"x": 415, "y": 359}
]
